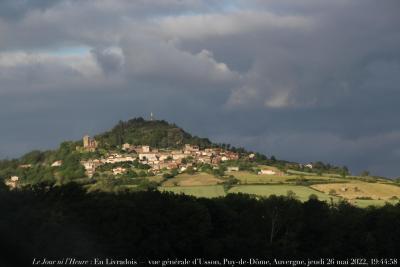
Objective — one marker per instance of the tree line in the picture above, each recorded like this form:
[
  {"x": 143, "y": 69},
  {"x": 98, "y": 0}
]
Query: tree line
[{"x": 65, "y": 221}]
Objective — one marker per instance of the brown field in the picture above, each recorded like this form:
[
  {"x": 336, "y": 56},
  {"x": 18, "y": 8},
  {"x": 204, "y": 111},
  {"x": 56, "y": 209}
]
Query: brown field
[
  {"x": 355, "y": 190},
  {"x": 198, "y": 179}
]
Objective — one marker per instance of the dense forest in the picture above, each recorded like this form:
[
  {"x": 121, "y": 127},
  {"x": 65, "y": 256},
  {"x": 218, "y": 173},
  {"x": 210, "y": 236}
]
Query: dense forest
[{"x": 65, "y": 221}]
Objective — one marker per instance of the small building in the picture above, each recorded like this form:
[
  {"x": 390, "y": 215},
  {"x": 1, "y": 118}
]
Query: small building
[
  {"x": 309, "y": 165},
  {"x": 119, "y": 170},
  {"x": 183, "y": 168},
  {"x": 147, "y": 156},
  {"x": 191, "y": 148},
  {"x": 56, "y": 163},
  {"x": 117, "y": 158},
  {"x": 267, "y": 172},
  {"x": 90, "y": 166},
  {"x": 126, "y": 146},
  {"x": 25, "y": 166},
  {"x": 12, "y": 182},
  {"x": 232, "y": 169},
  {"x": 178, "y": 156}
]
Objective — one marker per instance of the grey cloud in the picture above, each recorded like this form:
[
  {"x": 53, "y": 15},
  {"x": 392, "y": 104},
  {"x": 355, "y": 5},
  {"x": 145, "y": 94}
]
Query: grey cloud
[
  {"x": 110, "y": 59},
  {"x": 279, "y": 77},
  {"x": 15, "y": 9},
  {"x": 160, "y": 61}
]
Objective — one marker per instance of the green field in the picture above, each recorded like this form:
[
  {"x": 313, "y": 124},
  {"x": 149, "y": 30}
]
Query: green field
[
  {"x": 208, "y": 191},
  {"x": 306, "y": 174},
  {"x": 198, "y": 179},
  {"x": 302, "y": 192},
  {"x": 301, "y": 173},
  {"x": 252, "y": 178}
]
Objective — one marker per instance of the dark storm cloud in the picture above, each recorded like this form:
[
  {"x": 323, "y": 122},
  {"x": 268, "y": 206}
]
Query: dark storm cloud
[
  {"x": 301, "y": 80},
  {"x": 110, "y": 59},
  {"x": 15, "y": 9}
]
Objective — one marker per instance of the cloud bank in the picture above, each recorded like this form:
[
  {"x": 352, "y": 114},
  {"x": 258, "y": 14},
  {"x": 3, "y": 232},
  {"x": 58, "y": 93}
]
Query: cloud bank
[{"x": 301, "y": 80}]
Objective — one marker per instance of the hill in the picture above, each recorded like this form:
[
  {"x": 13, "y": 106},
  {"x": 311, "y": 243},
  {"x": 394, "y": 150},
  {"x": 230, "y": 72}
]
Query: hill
[
  {"x": 158, "y": 134},
  {"x": 137, "y": 155}
]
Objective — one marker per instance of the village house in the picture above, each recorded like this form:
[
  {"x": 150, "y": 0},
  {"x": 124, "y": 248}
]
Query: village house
[
  {"x": 116, "y": 158},
  {"x": 267, "y": 172},
  {"x": 232, "y": 169},
  {"x": 118, "y": 170},
  {"x": 205, "y": 159},
  {"x": 56, "y": 163},
  {"x": 183, "y": 168},
  {"x": 178, "y": 156},
  {"x": 163, "y": 156},
  {"x": 126, "y": 147},
  {"x": 309, "y": 165},
  {"x": 25, "y": 166},
  {"x": 90, "y": 166},
  {"x": 149, "y": 156},
  {"x": 12, "y": 182},
  {"x": 145, "y": 149},
  {"x": 191, "y": 149}
]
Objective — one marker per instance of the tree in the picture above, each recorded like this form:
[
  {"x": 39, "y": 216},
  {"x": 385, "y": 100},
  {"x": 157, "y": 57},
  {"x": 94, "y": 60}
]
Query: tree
[{"x": 291, "y": 195}]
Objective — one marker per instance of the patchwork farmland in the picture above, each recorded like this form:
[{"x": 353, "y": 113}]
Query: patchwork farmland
[{"x": 356, "y": 190}]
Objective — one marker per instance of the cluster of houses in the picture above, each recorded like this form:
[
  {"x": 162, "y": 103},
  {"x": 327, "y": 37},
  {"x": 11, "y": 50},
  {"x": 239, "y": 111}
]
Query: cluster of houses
[
  {"x": 161, "y": 159},
  {"x": 157, "y": 159}
]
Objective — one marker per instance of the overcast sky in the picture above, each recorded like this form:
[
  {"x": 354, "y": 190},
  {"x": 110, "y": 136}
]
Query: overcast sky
[{"x": 302, "y": 80}]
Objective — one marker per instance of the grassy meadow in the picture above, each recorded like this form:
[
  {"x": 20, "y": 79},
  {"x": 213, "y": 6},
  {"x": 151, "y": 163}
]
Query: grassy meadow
[
  {"x": 197, "y": 179},
  {"x": 208, "y": 191}
]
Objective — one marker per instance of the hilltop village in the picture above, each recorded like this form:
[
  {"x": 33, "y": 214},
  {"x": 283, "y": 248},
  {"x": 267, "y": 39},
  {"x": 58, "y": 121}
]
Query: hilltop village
[
  {"x": 140, "y": 155},
  {"x": 157, "y": 159}
]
